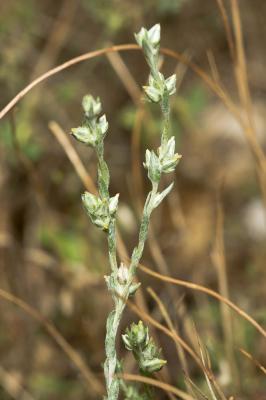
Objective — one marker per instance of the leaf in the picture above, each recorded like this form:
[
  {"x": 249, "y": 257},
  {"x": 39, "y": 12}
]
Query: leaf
[{"x": 160, "y": 196}]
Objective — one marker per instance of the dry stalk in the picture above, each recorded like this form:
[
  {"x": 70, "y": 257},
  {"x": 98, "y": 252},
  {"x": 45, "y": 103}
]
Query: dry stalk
[
  {"x": 162, "y": 385},
  {"x": 218, "y": 259},
  {"x": 92, "y": 381},
  {"x": 210, "y": 292}
]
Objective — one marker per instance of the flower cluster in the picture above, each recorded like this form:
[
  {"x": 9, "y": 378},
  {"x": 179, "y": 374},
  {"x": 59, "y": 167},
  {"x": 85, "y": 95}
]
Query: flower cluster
[
  {"x": 146, "y": 353},
  {"x": 100, "y": 210},
  {"x": 164, "y": 162},
  {"x": 94, "y": 128},
  {"x": 123, "y": 279},
  {"x": 149, "y": 40},
  {"x": 158, "y": 86}
]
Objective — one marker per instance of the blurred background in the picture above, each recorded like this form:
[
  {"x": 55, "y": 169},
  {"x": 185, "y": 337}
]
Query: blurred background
[{"x": 211, "y": 230}]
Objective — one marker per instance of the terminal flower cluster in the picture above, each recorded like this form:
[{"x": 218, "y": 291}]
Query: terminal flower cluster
[{"x": 146, "y": 353}]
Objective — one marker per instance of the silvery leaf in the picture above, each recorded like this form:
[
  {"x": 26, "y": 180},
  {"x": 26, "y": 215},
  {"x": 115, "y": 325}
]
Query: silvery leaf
[
  {"x": 154, "y": 34},
  {"x": 171, "y": 84},
  {"x": 103, "y": 124},
  {"x": 153, "y": 94},
  {"x": 160, "y": 196},
  {"x": 83, "y": 135},
  {"x": 113, "y": 203}
]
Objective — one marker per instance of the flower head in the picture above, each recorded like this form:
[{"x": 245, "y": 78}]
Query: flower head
[
  {"x": 137, "y": 340},
  {"x": 92, "y": 107},
  {"x": 149, "y": 40},
  {"x": 151, "y": 36},
  {"x": 167, "y": 156},
  {"x": 152, "y": 164},
  {"x": 100, "y": 210},
  {"x": 136, "y": 337}
]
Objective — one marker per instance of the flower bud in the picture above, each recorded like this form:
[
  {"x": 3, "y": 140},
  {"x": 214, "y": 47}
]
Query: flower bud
[
  {"x": 133, "y": 288},
  {"x": 92, "y": 107},
  {"x": 100, "y": 210},
  {"x": 152, "y": 164},
  {"x": 167, "y": 156},
  {"x": 84, "y": 135},
  {"x": 127, "y": 342},
  {"x": 113, "y": 204},
  {"x": 153, "y": 94},
  {"x": 156, "y": 88},
  {"x": 136, "y": 337},
  {"x": 122, "y": 274},
  {"x": 154, "y": 365},
  {"x": 170, "y": 84},
  {"x": 152, "y": 36},
  {"x": 102, "y": 125}
]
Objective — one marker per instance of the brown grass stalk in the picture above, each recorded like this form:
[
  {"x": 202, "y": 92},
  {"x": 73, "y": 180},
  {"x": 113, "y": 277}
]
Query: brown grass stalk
[
  {"x": 173, "y": 335},
  {"x": 12, "y": 385},
  {"x": 92, "y": 381},
  {"x": 153, "y": 382},
  {"x": 166, "y": 316},
  {"x": 125, "y": 76},
  {"x": 247, "y": 122},
  {"x": 251, "y": 358},
  {"x": 210, "y": 292},
  {"x": 228, "y": 30},
  {"x": 179, "y": 349},
  {"x": 213, "y": 86},
  {"x": 123, "y": 47},
  {"x": 218, "y": 259}
]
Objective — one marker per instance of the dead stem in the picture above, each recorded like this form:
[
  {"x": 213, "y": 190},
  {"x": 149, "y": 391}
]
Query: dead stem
[
  {"x": 164, "y": 386},
  {"x": 218, "y": 259},
  {"x": 210, "y": 292},
  {"x": 92, "y": 381}
]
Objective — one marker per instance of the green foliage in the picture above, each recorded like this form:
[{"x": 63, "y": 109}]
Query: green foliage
[
  {"x": 48, "y": 385},
  {"x": 196, "y": 99},
  {"x": 170, "y": 7},
  {"x": 67, "y": 244},
  {"x": 108, "y": 13}
]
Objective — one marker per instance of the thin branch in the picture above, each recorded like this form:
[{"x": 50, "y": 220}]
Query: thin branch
[
  {"x": 256, "y": 362},
  {"x": 92, "y": 381},
  {"x": 125, "y": 76},
  {"x": 219, "y": 261},
  {"x": 173, "y": 335},
  {"x": 96, "y": 53},
  {"x": 164, "y": 386},
  {"x": 73, "y": 156},
  {"x": 227, "y": 28},
  {"x": 210, "y": 292},
  {"x": 247, "y": 122}
]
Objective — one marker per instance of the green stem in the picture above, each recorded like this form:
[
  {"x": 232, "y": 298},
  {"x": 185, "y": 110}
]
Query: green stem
[
  {"x": 116, "y": 315},
  {"x": 114, "y": 318},
  {"x": 144, "y": 227},
  {"x": 103, "y": 172},
  {"x": 165, "y": 107},
  {"x": 112, "y": 245},
  {"x": 113, "y": 321}
]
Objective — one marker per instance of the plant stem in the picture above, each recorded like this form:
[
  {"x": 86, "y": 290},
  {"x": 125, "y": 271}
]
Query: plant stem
[
  {"x": 165, "y": 108},
  {"x": 144, "y": 226},
  {"x": 112, "y": 245},
  {"x": 113, "y": 320}
]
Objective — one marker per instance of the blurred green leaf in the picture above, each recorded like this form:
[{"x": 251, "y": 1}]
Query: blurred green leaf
[
  {"x": 47, "y": 385},
  {"x": 196, "y": 99},
  {"x": 109, "y": 13},
  {"x": 169, "y": 7},
  {"x": 69, "y": 245}
]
